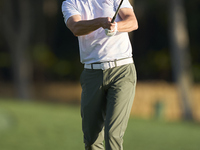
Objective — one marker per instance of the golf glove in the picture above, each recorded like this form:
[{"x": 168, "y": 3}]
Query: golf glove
[{"x": 110, "y": 32}]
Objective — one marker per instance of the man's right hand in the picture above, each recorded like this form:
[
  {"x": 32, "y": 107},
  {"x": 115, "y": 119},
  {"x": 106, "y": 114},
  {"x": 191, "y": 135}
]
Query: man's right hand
[{"x": 106, "y": 24}]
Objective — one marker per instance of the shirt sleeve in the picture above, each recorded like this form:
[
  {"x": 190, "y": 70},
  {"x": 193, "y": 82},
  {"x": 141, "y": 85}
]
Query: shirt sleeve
[
  {"x": 125, "y": 4},
  {"x": 69, "y": 9}
]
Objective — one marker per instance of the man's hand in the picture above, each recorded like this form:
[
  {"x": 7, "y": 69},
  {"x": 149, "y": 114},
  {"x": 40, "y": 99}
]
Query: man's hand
[
  {"x": 106, "y": 24},
  {"x": 110, "y": 28}
]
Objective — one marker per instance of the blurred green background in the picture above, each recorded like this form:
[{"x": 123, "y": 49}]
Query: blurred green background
[
  {"x": 30, "y": 126},
  {"x": 40, "y": 69}
]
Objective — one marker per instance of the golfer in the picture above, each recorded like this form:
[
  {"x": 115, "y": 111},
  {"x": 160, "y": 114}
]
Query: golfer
[{"x": 109, "y": 78}]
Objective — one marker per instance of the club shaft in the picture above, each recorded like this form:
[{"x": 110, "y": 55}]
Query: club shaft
[{"x": 113, "y": 19}]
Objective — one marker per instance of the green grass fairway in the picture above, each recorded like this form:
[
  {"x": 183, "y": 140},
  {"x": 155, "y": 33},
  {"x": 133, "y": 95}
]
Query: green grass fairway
[{"x": 39, "y": 126}]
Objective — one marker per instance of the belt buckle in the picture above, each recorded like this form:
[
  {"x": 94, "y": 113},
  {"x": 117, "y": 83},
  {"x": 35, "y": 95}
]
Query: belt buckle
[
  {"x": 102, "y": 66},
  {"x": 107, "y": 65},
  {"x": 112, "y": 64}
]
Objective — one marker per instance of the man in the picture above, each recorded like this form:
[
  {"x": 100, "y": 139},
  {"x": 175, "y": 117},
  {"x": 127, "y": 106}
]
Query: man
[{"x": 109, "y": 78}]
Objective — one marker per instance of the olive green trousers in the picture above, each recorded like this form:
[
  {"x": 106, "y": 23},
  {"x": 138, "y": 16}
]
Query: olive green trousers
[{"x": 106, "y": 102}]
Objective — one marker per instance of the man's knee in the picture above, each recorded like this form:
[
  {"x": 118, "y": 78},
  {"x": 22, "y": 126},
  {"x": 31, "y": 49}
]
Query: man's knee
[
  {"x": 94, "y": 140},
  {"x": 90, "y": 139},
  {"x": 113, "y": 140},
  {"x": 113, "y": 136},
  {"x": 97, "y": 145}
]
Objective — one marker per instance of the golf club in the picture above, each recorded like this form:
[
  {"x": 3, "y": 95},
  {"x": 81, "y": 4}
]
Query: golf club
[{"x": 113, "y": 19}]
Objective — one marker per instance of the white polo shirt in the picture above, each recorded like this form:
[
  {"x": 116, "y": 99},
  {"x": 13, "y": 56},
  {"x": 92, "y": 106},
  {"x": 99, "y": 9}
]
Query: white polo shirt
[{"x": 97, "y": 46}]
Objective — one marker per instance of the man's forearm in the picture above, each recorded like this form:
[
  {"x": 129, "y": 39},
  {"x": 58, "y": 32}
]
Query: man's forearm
[
  {"x": 128, "y": 24},
  {"x": 129, "y": 20},
  {"x": 84, "y": 27}
]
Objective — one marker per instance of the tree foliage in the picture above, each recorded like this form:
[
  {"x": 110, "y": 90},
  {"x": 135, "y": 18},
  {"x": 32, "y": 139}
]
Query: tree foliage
[{"x": 54, "y": 53}]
